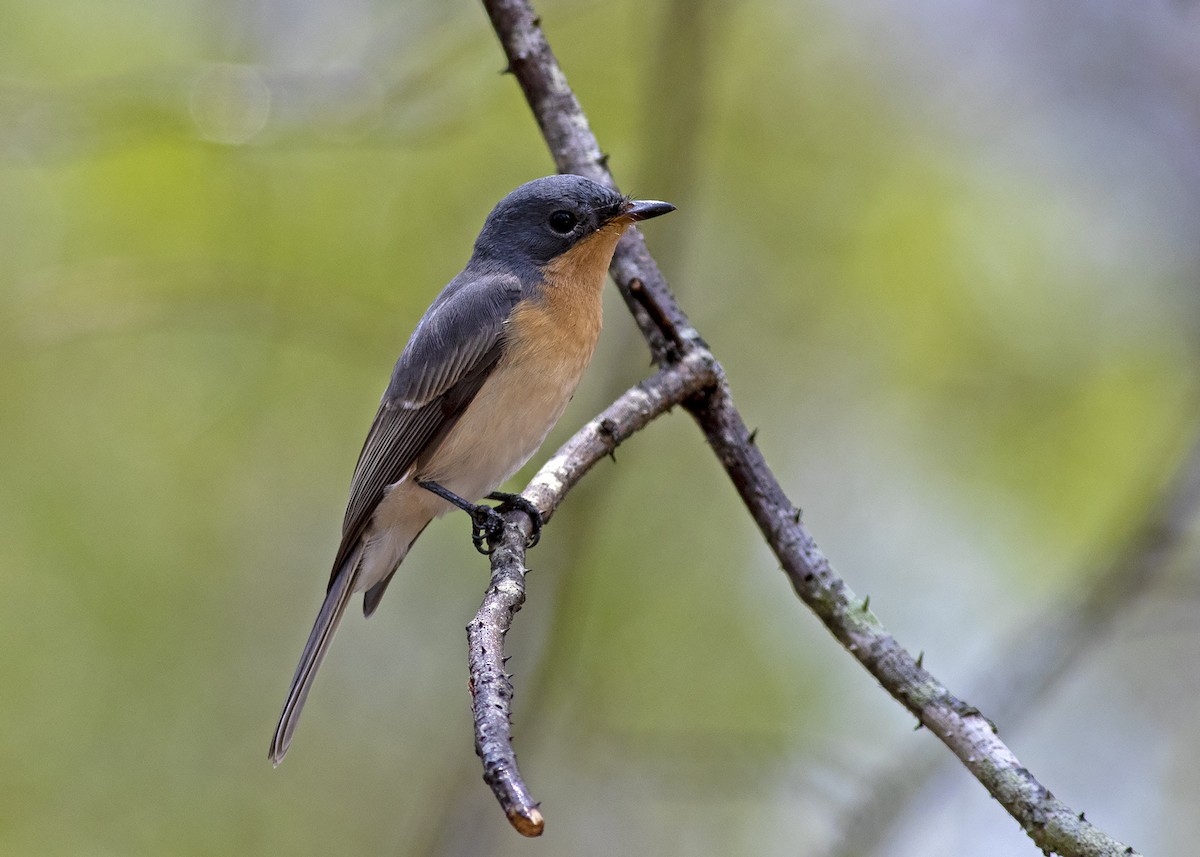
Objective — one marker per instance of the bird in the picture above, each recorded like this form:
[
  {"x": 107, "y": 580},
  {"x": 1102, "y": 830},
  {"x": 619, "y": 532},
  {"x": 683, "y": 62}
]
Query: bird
[{"x": 487, "y": 372}]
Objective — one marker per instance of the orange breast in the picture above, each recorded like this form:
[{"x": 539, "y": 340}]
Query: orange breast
[{"x": 559, "y": 332}]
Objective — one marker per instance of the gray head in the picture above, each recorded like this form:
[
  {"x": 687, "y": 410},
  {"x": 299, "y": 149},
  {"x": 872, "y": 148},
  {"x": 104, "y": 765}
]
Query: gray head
[{"x": 546, "y": 217}]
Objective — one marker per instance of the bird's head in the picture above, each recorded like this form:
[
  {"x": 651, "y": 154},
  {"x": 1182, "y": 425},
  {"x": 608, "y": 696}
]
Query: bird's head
[{"x": 543, "y": 219}]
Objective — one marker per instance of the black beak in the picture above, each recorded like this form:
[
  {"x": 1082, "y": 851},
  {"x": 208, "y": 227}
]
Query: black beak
[{"x": 644, "y": 209}]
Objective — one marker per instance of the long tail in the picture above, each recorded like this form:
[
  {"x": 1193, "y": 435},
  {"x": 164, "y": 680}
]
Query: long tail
[{"x": 314, "y": 652}]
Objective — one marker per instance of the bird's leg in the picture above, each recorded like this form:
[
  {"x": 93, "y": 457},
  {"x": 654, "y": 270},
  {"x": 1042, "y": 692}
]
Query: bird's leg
[{"x": 486, "y": 522}]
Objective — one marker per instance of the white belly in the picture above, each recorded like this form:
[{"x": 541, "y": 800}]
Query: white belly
[{"x": 502, "y": 428}]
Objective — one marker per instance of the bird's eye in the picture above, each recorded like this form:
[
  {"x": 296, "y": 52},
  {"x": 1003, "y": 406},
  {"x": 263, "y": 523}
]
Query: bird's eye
[{"x": 562, "y": 222}]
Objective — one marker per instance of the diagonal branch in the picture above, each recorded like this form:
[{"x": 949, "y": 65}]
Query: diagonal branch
[
  {"x": 1051, "y": 824},
  {"x": 1045, "y": 648}
]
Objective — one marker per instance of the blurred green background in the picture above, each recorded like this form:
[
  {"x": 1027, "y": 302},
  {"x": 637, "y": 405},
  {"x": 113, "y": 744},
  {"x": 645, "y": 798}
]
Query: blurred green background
[{"x": 947, "y": 251}]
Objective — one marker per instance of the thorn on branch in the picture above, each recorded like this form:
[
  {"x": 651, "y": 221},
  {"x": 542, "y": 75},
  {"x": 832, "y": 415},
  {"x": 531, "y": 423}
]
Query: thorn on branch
[
  {"x": 965, "y": 709},
  {"x": 921, "y": 660},
  {"x": 609, "y": 430},
  {"x": 646, "y": 301},
  {"x": 753, "y": 436},
  {"x": 866, "y": 605}
]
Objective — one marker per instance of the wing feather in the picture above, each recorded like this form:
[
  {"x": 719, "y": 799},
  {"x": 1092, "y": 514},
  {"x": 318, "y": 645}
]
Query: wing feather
[{"x": 451, "y": 353}]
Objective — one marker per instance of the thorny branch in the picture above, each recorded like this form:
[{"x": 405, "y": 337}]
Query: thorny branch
[
  {"x": 1044, "y": 650},
  {"x": 1052, "y": 825},
  {"x": 491, "y": 690}
]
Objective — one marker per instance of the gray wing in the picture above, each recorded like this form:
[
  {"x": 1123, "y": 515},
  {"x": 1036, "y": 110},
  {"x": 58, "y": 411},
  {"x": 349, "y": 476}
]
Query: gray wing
[{"x": 451, "y": 353}]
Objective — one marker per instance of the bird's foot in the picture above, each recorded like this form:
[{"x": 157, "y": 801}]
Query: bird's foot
[
  {"x": 508, "y": 502},
  {"x": 486, "y": 527},
  {"x": 487, "y": 523}
]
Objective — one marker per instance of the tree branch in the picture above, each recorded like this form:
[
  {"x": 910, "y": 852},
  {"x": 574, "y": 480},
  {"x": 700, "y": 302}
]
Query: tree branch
[
  {"x": 1045, "y": 649},
  {"x": 1051, "y": 824},
  {"x": 491, "y": 690}
]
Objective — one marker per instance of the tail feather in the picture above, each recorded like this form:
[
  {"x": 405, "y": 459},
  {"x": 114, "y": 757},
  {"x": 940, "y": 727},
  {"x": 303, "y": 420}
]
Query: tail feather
[{"x": 314, "y": 652}]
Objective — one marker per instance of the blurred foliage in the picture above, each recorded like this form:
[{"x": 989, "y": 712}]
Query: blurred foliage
[{"x": 953, "y": 282}]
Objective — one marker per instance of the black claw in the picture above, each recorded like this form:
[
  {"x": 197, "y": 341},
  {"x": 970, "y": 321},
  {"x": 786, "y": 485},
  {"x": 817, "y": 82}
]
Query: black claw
[
  {"x": 508, "y": 502},
  {"x": 486, "y": 525}
]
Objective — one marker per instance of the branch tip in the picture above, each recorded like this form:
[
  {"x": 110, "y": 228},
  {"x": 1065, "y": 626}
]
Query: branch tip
[{"x": 528, "y": 822}]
